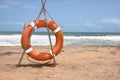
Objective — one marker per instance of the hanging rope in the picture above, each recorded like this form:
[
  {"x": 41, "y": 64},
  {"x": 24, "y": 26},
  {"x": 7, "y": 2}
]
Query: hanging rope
[
  {"x": 41, "y": 10},
  {"x": 45, "y": 12}
]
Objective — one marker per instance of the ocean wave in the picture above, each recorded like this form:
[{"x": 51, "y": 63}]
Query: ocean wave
[
  {"x": 38, "y": 40},
  {"x": 93, "y": 40}
]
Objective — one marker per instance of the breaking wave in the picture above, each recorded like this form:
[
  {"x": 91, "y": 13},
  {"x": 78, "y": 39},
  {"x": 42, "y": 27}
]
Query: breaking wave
[{"x": 38, "y": 40}]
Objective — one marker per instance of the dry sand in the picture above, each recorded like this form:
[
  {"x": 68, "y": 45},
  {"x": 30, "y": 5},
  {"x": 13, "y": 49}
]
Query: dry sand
[{"x": 73, "y": 63}]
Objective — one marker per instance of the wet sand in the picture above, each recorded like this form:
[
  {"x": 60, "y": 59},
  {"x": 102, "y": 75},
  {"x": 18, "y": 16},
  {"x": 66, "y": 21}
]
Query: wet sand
[{"x": 73, "y": 63}]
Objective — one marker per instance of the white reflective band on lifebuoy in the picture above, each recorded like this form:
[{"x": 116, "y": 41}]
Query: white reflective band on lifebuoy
[
  {"x": 51, "y": 53},
  {"x": 33, "y": 25},
  {"x": 56, "y": 30},
  {"x": 29, "y": 50}
]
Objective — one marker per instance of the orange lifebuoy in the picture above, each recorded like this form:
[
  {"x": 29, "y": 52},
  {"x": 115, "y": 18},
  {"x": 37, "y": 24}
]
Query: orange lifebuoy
[{"x": 26, "y": 44}]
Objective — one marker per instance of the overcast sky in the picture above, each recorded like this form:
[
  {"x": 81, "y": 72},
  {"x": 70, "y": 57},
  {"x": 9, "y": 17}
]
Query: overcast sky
[{"x": 71, "y": 15}]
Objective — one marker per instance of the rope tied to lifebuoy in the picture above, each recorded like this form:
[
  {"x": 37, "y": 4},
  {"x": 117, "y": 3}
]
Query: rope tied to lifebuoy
[
  {"x": 38, "y": 23},
  {"x": 26, "y": 35}
]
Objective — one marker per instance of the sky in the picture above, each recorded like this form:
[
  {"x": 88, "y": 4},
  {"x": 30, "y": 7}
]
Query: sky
[{"x": 71, "y": 15}]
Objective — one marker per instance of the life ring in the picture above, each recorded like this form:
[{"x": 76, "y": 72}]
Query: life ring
[{"x": 26, "y": 44}]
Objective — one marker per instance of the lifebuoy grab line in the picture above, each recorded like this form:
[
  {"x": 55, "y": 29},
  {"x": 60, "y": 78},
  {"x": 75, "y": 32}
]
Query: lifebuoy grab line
[{"x": 42, "y": 56}]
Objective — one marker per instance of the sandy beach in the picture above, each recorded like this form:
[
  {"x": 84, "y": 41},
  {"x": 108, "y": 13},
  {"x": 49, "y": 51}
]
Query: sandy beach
[{"x": 73, "y": 63}]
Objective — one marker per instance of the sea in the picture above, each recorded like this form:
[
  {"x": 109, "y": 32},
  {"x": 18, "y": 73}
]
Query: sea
[{"x": 70, "y": 38}]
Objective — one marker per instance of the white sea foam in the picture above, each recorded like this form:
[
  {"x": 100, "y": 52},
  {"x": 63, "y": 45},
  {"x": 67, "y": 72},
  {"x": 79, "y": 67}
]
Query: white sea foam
[
  {"x": 37, "y": 40},
  {"x": 10, "y": 40},
  {"x": 93, "y": 40}
]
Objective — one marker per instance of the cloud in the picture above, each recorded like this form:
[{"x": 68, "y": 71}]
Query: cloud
[
  {"x": 4, "y": 6},
  {"x": 14, "y": 3},
  {"x": 88, "y": 24},
  {"x": 29, "y": 7},
  {"x": 15, "y": 23},
  {"x": 9, "y": 4},
  {"x": 112, "y": 21},
  {"x": 11, "y": 23},
  {"x": 74, "y": 24}
]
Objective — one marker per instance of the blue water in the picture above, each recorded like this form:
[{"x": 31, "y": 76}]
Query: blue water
[
  {"x": 70, "y": 33},
  {"x": 70, "y": 38}
]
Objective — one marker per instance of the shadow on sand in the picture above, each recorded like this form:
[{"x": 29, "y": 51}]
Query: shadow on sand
[{"x": 37, "y": 65}]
